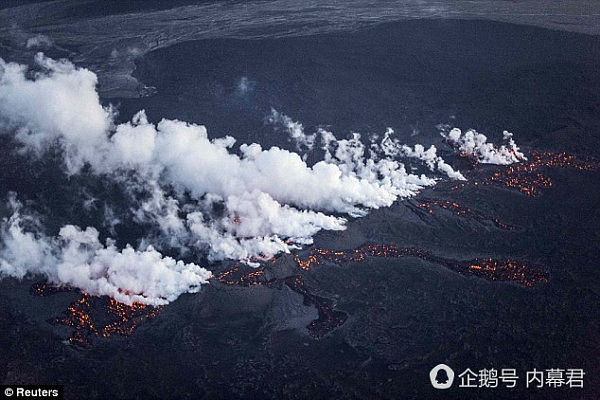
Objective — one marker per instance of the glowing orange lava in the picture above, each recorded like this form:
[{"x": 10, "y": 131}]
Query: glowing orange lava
[
  {"x": 93, "y": 316},
  {"x": 103, "y": 317},
  {"x": 241, "y": 274},
  {"x": 428, "y": 205},
  {"x": 527, "y": 176},
  {"x": 490, "y": 269}
]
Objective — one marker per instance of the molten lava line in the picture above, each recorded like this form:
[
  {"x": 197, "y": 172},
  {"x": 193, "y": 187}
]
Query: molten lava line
[
  {"x": 527, "y": 177},
  {"x": 493, "y": 270},
  {"x": 104, "y": 317},
  {"x": 428, "y": 206},
  {"x": 92, "y": 316}
]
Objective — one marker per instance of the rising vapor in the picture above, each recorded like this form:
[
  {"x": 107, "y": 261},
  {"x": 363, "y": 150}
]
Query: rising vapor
[
  {"x": 272, "y": 201},
  {"x": 77, "y": 258},
  {"x": 475, "y": 144}
]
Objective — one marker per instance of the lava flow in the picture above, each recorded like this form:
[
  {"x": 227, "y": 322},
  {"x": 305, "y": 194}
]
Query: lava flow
[
  {"x": 93, "y": 316},
  {"x": 457, "y": 209},
  {"x": 494, "y": 270},
  {"x": 527, "y": 176},
  {"x": 329, "y": 318},
  {"x": 242, "y": 275}
]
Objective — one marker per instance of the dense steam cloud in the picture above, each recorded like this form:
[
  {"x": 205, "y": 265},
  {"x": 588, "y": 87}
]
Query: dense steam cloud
[
  {"x": 268, "y": 200},
  {"x": 59, "y": 103},
  {"x": 77, "y": 258}
]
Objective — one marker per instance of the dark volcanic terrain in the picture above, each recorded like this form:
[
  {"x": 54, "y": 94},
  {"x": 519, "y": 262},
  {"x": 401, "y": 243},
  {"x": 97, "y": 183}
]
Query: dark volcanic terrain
[{"x": 499, "y": 272}]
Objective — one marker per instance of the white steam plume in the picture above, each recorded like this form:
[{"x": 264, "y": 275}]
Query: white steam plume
[
  {"x": 257, "y": 187},
  {"x": 60, "y": 103},
  {"x": 294, "y": 129},
  {"x": 391, "y": 147},
  {"x": 349, "y": 156},
  {"x": 77, "y": 258},
  {"x": 271, "y": 199},
  {"x": 475, "y": 144}
]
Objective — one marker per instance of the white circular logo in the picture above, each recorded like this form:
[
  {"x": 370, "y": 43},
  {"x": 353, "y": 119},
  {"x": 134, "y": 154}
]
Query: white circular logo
[
  {"x": 8, "y": 392},
  {"x": 441, "y": 376}
]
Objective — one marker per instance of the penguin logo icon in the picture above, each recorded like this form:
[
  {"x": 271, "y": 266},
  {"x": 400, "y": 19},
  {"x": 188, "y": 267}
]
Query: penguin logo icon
[{"x": 441, "y": 376}]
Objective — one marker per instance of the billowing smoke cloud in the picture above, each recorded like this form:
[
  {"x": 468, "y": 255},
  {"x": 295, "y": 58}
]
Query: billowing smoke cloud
[
  {"x": 197, "y": 192},
  {"x": 475, "y": 144},
  {"x": 77, "y": 258}
]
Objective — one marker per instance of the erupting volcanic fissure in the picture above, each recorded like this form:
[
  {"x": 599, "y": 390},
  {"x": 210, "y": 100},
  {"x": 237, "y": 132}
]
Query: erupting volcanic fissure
[
  {"x": 103, "y": 317},
  {"x": 193, "y": 194}
]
